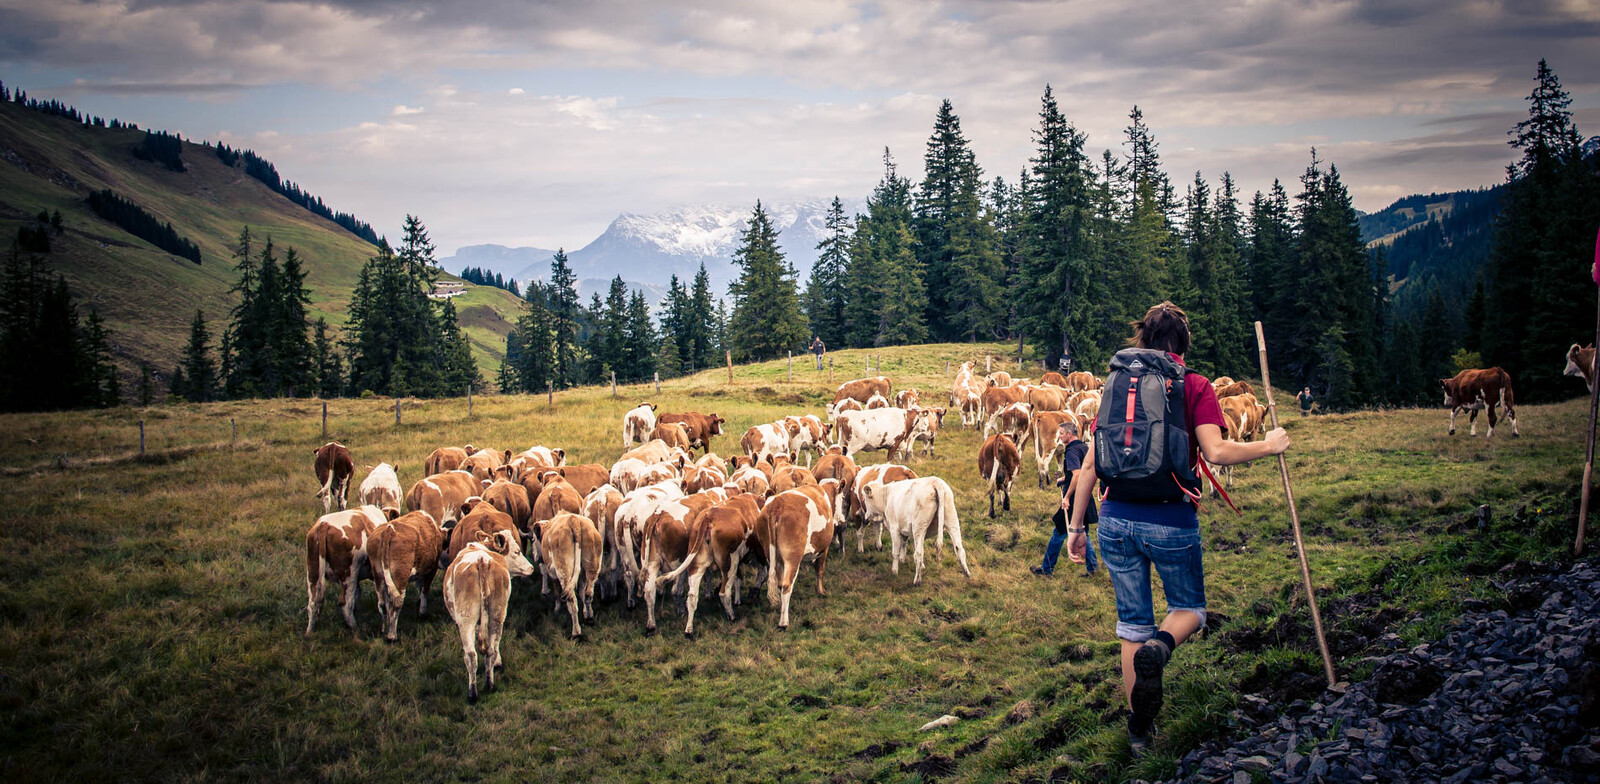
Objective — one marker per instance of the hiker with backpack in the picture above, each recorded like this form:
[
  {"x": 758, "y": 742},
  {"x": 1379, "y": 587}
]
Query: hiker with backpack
[{"x": 1156, "y": 419}]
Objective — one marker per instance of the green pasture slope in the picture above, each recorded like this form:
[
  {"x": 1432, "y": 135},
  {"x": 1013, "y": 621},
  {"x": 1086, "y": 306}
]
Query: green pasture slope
[
  {"x": 147, "y": 296},
  {"x": 152, "y": 609}
]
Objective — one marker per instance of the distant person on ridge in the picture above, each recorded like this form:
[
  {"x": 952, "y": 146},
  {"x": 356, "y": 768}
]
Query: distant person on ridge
[
  {"x": 819, "y": 349},
  {"x": 1148, "y": 514},
  {"x": 1305, "y": 401}
]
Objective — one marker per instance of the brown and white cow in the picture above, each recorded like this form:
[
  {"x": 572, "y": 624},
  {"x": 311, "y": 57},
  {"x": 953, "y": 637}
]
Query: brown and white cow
[
  {"x": 510, "y": 498},
  {"x": 1088, "y": 409},
  {"x": 848, "y": 404},
  {"x": 908, "y": 509},
  {"x": 404, "y": 550},
  {"x": 1047, "y": 398},
  {"x": 1042, "y": 431},
  {"x": 534, "y": 459},
  {"x": 927, "y": 427},
  {"x": 885, "y": 428},
  {"x": 630, "y": 519},
  {"x": 1235, "y": 389},
  {"x": 700, "y": 427},
  {"x": 637, "y": 424},
  {"x": 862, "y": 389},
  {"x": 792, "y": 526},
  {"x": 788, "y": 476},
  {"x": 477, "y": 589},
  {"x": 998, "y": 464},
  {"x": 1012, "y": 419},
  {"x": 1476, "y": 390},
  {"x": 720, "y": 537},
  {"x": 442, "y": 495},
  {"x": 586, "y": 477},
  {"x": 807, "y": 434},
  {"x": 1082, "y": 380},
  {"x": 1580, "y": 363},
  {"x": 907, "y": 398},
  {"x": 997, "y": 397},
  {"x": 481, "y": 516},
  {"x": 654, "y": 451},
  {"x": 853, "y": 503},
  {"x": 334, "y": 468},
  {"x": 484, "y": 463},
  {"x": 664, "y": 545},
  {"x": 571, "y": 549},
  {"x": 558, "y": 496},
  {"x": 336, "y": 549},
  {"x": 601, "y": 507},
  {"x": 446, "y": 458},
  {"x": 673, "y": 434},
  {"x": 751, "y": 479},
  {"x": 381, "y": 488},
  {"x": 698, "y": 479},
  {"x": 876, "y": 402},
  {"x": 763, "y": 442},
  {"x": 1244, "y": 416},
  {"x": 999, "y": 378}
]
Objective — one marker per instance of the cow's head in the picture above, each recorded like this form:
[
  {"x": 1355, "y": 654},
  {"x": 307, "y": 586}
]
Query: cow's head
[
  {"x": 779, "y": 461},
  {"x": 715, "y": 424},
  {"x": 505, "y": 543},
  {"x": 470, "y": 504},
  {"x": 1449, "y": 385},
  {"x": 938, "y": 415},
  {"x": 835, "y": 450},
  {"x": 560, "y": 456},
  {"x": 469, "y": 449},
  {"x": 741, "y": 461}
]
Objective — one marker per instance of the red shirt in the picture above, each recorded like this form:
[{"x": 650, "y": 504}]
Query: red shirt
[{"x": 1200, "y": 407}]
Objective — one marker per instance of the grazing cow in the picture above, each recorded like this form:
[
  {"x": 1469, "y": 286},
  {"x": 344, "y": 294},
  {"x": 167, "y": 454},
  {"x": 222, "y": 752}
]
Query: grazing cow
[
  {"x": 558, "y": 496},
  {"x": 999, "y": 378},
  {"x": 404, "y": 550},
  {"x": 446, "y": 458},
  {"x": 752, "y": 480},
  {"x": 1580, "y": 363},
  {"x": 534, "y": 459},
  {"x": 927, "y": 427},
  {"x": 665, "y": 544},
  {"x": 673, "y": 434},
  {"x": 336, "y": 549},
  {"x": 854, "y": 504},
  {"x": 907, "y": 398},
  {"x": 792, "y": 526},
  {"x": 1047, "y": 398},
  {"x": 909, "y": 509},
  {"x": 334, "y": 468},
  {"x": 719, "y": 537},
  {"x": 484, "y": 463},
  {"x": 1234, "y": 389},
  {"x": 1244, "y": 416},
  {"x": 1042, "y": 431},
  {"x": 862, "y": 389},
  {"x": 600, "y": 507},
  {"x": 876, "y": 402},
  {"x": 481, "y": 516},
  {"x": 788, "y": 476},
  {"x": 1476, "y": 390},
  {"x": 1082, "y": 380},
  {"x": 443, "y": 495},
  {"x": 763, "y": 442},
  {"x": 656, "y": 451},
  {"x": 998, "y": 463},
  {"x": 631, "y": 516},
  {"x": 848, "y": 404},
  {"x": 1012, "y": 419},
  {"x": 807, "y": 434},
  {"x": 510, "y": 498},
  {"x": 885, "y": 428},
  {"x": 637, "y": 423},
  {"x": 1054, "y": 379},
  {"x": 700, "y": 427},
  {"x": 586, "y": 477},
  {"x": 571, "y": 549},
  {"x": 996, "y": 397},
  {"x": 477, "y": 589},
  {"x": 381, "y": 488},
  {"x": 1088, "y": 409}
]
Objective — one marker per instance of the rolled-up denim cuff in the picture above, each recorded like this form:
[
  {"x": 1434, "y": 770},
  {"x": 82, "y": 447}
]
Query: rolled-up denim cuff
[{"x": 1135, "y": 633}]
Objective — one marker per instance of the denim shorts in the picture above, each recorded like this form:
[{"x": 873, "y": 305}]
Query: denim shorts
[{"x": 1129, "y": 548}]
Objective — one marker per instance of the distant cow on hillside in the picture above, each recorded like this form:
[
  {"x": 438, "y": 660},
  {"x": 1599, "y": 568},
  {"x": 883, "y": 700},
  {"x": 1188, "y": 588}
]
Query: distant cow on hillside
[{"x": 1477, "y": 390}]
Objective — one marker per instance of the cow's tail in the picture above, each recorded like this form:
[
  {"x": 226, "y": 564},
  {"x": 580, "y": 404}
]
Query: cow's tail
[
  {"x": 949, "y": 519},
  {"x": 315, "y": 563},
  {"x": 570, "y": 589},
  {"x": 699, "y": 537},
  {"x": 327, "y": 486},
  {"x": 994, "y": 472},
  {"x": 378, "y": 556}
]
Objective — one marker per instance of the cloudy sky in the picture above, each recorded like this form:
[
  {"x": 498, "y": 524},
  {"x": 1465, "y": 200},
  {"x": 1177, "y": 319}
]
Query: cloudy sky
[{"x": 527, "y": 123}]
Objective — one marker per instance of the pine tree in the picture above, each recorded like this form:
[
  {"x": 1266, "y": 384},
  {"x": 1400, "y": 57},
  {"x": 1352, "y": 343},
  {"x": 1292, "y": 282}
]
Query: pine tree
[
  {"x": 905, "y": 299},
  {"x": 608, "y": 344},
  {"x": 294, "y": 352},
  {"x": 329, "y": 374},
  {"x": 707, "y": 324},
  {"x": 955, "y": 243},
  {"x": 145, "y": 394},
  {"x": 199, "y": 373},
  {"x": 562, "y": 304},
  {"x": 458, "y": 371},
  {"x": 766, "y": 316},
  {"x": 826, "y": 290},
  {"x": 639, "y": 356},
  {"x": 1055, "y": 248},
  {"x": 879, "y": 278},
  {"x": 530, "y": 347},
  {"x": 675, "y": 321}
]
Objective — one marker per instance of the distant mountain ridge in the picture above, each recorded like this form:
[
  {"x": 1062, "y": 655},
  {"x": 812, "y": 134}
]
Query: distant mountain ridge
[{"x": 648, "y": 249}]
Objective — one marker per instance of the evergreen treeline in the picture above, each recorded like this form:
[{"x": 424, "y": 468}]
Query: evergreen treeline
[
  {"x": 161, "y": 147},
  {"x": 483, "y": 277},
  {"x": 107, "y": 204},
  {"x": 56, "y": 108},
  {"x": 263, "y": 170},
  {"x": 59, "y": 360}
]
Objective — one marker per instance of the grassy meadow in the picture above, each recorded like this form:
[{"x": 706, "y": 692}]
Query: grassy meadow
[{"x": 152, "y": 608}]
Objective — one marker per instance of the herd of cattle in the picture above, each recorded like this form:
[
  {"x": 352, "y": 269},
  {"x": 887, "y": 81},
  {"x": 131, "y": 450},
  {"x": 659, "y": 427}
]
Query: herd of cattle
[{"x": 661, "y": 516}]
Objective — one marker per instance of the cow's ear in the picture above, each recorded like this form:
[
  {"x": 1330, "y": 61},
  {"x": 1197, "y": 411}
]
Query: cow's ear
[
  {"x": 505, "y": 456},
  {"x": 469, "y": 449},
  {"x": 537, "y": 529},
  {"x": 485, "y": 537},
  {"x": 391, "y": 512}
]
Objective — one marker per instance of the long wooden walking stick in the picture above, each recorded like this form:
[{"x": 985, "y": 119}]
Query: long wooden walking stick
[
  {"x": 1594, "y": 405},
  {"x": 1294, "y": 517}
]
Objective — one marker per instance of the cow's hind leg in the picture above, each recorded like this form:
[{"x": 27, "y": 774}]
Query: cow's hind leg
[
  {"x": 1472, "y": 419},
  {"x": 785, "y": 580},
  {"x": 822, "y": 563},
  {"x": 1492, "y": 419},
  {"x": 315, "y": 591},
  {"x": 1453, "y": 413},
  {"x": 349, "y": 593},
  {"x": 692, "y": 600},
  {"x": 469, "y": 646},
  {"x": 917, "y": 549}
]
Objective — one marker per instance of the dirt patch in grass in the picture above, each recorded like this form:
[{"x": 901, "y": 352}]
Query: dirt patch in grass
[
  {"x": 878, "y": 750},
  {"x": 932, "y": 766},
  {"x": 1351, "y": 623},
  {"x": 1300, "y": 682}
]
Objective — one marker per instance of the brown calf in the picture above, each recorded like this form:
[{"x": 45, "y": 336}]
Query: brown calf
[
  {"x": 477, "y": 589},
  {"x": 700, "y": 427},
  {"x": 1475, "y": 390},
  {"x": 719, "y": 537},
  {"x": 334, "y": 468},
  {"x": 998, "y": 463},
  {"x": 336, "y": 549},
  {"x": 404, "y": 550},
  {"x": 571, "y": 549},
  {"x": 664, "y": 544}
]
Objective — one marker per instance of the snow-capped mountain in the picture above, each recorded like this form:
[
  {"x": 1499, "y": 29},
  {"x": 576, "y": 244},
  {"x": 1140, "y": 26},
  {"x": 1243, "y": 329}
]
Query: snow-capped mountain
[{"x": 646, "y": 250}]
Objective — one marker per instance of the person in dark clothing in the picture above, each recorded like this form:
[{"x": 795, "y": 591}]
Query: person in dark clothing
[
  {"x": 818, "y": 348},
  {"x": 1071, "y": 461},
  {"x": 1305, "y": 401}
]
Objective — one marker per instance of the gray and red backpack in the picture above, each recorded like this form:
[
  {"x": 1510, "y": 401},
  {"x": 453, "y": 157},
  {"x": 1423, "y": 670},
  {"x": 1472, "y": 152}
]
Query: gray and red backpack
[{"x": 1141, "y": 438}]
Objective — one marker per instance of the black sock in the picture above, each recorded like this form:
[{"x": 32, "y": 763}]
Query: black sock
[{"x": 1167, "y": 640}]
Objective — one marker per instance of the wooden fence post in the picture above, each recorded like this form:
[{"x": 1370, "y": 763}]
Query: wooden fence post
[
  {"x": 729, "y": 355},
  {"x": 613, "y": 383},
  {"x": 868, "y": 367},
  {"x": 947, "y": 367},
  {"x": 658, "y": 383},
  {"x": 235, "y": 426},
  {"x": 791, "y": 366},
  {"x": 469, "y": 401},
  {"x": 141, "y": 437},
  {"x": 550, "y": 392},
  {"x": 324, "y": 420},
  {"x": 397, "y": 412}
]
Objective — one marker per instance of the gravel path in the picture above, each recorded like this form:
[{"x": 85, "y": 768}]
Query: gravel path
[{"x": 1505, "y": 697}]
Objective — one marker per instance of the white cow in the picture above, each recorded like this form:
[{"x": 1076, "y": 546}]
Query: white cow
[
  {"x": 764, "y": 442},
  {"x": 880, "y": 428},
  {"x": 908, "y": 508},
  {"x": 381, "y": 488},
  {"x": 637, "y": 424}
]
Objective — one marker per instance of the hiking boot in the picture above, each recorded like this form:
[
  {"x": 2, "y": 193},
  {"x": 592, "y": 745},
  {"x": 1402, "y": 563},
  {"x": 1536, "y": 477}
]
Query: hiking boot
[
  {"x": 1148, "y": 662},
  {"x": 1039, "y": 570}
]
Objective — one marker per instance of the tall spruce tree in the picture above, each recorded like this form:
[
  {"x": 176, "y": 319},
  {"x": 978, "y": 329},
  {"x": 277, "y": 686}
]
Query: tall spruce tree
[
  {"x": 639, "y": 354},
  {"x": 1056, "y": 260},
  {"x": 561, "y": 302},
  {"x": 766, "y": 313},
  {"x": 329, "y": 370},
  {"x": 706, "y": 324},
  {"x": 955, "y": 240},
  {"x": 827, "y": 290},
  {"x": 199, "y": 373}
]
